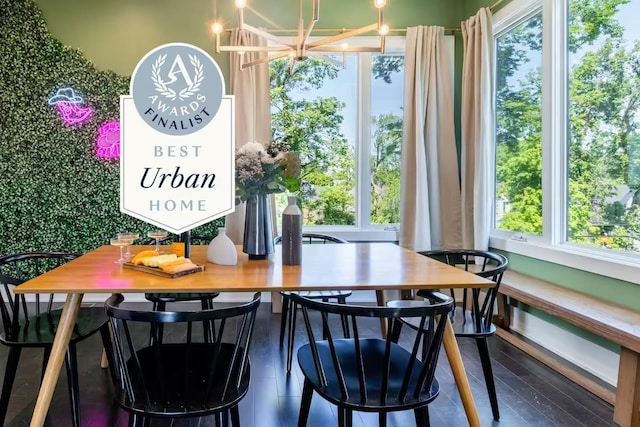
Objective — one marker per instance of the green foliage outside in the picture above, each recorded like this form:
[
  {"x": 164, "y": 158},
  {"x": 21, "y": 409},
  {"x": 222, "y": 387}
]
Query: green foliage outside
[
  {"x": 312, "y": 128},
  {"x": 603, "y": 146},
  {"x": 56, "y": 194}
]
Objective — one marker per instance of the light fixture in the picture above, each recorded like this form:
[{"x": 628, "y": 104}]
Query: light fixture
[{"x": 300, "y": 48}]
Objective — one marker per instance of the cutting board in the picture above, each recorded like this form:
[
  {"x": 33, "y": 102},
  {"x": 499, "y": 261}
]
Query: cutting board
[{"x": 158, "y": 272}]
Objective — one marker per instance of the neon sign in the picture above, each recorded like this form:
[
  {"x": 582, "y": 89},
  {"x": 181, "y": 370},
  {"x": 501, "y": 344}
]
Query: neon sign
[
  {"x": 69, "y": 105},
  {"x": 73, "y": 114},
  {"x": 108, "y": 142}
]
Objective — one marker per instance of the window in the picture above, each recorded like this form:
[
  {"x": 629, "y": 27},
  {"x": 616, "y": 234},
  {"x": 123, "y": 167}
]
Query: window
[
  {"x": 518, "y": 195},
  {"x": 343, "y": 115},
  {"x": 567, "y": 133}
]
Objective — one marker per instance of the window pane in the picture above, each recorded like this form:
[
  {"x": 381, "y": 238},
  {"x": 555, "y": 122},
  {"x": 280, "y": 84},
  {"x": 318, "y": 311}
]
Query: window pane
[
  {"x": 604, "y": 142},
  {"x": 386, "y": 137},
  {"x": 518, "y": 199},
  {"x": 314, "y": 113}
]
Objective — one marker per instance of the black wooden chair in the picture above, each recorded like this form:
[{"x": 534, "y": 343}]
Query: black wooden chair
[
  {"x": 35, "y": 324},
  {"x": 186, "y": 377},
  {"x": 288, "y": 317},
  {"x": 160, "y": 300},
  {"x": 369, "y": 373},
  {"x": 473, "y": 318}
]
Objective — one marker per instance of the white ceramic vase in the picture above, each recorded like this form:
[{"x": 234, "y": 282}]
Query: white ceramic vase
[{"x": 221, "y": 249}]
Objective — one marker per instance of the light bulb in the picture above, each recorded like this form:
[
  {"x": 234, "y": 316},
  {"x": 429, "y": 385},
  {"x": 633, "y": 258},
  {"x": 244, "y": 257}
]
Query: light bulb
[
  {"x": 379, "y": 3},
  {"x": 241, "y": 52},
  {"x": 384, "y": 29},
  {"x": 344, "y": 45},
  {"x": 240, "y": 4},
  {"x": 216, "y": 27}
]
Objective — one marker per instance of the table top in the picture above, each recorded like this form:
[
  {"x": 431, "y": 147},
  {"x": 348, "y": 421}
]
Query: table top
[{"x": 353, "y": 266}]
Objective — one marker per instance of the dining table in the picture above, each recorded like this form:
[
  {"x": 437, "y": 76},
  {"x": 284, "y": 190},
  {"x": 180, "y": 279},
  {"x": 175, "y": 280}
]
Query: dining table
[{"x": 353, "y": 266}]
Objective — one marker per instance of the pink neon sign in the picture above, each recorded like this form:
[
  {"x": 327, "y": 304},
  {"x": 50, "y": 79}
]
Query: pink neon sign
[
  {"x": 73, "y": 114},
  {"x": 108, "y": 142}
]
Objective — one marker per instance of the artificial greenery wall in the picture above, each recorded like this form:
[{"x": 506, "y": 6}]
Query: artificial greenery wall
[{"x": 55, "y": 193}]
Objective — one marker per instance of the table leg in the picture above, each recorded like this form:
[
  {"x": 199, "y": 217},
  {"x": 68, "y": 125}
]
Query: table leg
[
  {"x": 459, "y": 374},
  {"x": 58, "y": 351},
  {"x": 276, "y": 302}
]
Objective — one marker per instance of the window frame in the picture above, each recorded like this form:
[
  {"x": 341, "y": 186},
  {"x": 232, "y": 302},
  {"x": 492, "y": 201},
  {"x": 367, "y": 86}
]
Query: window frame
[
  {"x": 552, "y": 245},
  {"x": 364, "y": 230}
]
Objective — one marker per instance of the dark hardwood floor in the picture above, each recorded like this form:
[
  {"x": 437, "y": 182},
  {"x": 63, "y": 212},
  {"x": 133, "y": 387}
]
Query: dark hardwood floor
[{"x": 529, "y": 393}]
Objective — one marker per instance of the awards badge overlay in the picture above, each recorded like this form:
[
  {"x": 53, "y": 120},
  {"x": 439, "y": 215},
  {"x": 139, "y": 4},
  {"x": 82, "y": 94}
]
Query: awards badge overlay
[{"x": 177, "y": 167}]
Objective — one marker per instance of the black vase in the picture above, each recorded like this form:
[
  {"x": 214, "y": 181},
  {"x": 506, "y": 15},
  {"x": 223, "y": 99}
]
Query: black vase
[{"x": 258, "y": 231}]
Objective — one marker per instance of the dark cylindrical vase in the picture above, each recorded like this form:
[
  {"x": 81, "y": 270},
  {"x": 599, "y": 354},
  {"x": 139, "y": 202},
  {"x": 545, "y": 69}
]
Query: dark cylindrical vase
[
  {"x": 258, "y": 231},
  {"x": 292, "y": 233}
]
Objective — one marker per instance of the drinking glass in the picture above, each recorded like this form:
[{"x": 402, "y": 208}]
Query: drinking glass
[
  {"x": 121, "y": 243},
  {"x": 158, "y": 235},
  {"x": 128, "y": 235}
]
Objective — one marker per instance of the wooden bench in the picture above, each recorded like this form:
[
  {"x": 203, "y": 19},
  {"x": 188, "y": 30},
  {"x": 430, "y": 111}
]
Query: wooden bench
[{"x": 613, "y": 322}]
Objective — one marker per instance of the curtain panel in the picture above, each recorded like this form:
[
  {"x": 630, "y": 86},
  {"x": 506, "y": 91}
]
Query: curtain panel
[
  {"x": 477, "y": 119},
  {"x": 252, "y": 111},
  {"x": 430, "y": 190}
]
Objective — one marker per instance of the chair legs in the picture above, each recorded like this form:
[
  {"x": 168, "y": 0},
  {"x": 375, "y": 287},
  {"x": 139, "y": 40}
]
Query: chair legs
[
  {"x": 45, "y": 360},
  {"x": 292, "y": 331},
  {"x": 71, "y": 362},
  {"x": 305, "y": 403},
  {"x": 382, "y": 419},
  {"x": 284, "y": 318},
  {"x": 422, "y": 416},
  {"x": 345, "y": 417},
  {"x": 235, "y": 416},
  {"x": 9, "y": 376},
  {"x": 136, "y": 420},
  {"x": 483, "y": 349}
]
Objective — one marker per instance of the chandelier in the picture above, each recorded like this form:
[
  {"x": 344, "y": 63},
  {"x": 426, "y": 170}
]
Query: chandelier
[{"x": 300, "y": 47}]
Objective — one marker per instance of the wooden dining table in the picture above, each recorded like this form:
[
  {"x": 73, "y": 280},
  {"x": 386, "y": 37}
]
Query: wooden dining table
[{"x": 354, "y": 266}]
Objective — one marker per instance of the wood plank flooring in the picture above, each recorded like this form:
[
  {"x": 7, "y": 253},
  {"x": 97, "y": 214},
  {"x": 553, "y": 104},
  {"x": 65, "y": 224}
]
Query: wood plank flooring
[{"x": 529, "y": 393}]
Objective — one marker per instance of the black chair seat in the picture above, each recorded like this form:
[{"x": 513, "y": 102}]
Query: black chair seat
[
  {"x": 182, "y": 388},
  {"x": 373, "y": 355},
  {"x": 181, "y": 297},
  {"x": 41, "y": 329},
  {"x": 322, "y": 294}
]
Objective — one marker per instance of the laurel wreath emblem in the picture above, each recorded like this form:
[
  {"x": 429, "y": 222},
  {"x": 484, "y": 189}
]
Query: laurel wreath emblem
[{"x": 184, "y": 93}]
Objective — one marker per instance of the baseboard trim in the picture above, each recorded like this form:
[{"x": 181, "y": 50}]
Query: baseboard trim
[{"x": 563, "y": 369}]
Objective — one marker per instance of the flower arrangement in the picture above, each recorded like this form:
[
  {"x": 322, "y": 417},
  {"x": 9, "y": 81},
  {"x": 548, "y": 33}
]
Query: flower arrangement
[{"x": 265, "y": 169}]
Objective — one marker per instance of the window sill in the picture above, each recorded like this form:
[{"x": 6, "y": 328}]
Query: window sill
[{"x": 353, "y": 234}]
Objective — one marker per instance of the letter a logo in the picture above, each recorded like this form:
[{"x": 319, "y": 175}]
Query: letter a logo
[{"x": 181, "y": 69}]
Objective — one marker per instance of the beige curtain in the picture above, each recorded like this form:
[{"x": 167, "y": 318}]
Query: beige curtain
[
  {"x": 430, "y": 201},
  {"x": 252, "y": 111},
  {"x": 477, "y": 129}
]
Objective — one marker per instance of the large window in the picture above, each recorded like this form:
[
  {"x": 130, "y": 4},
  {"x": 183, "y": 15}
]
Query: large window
[
  {"x": 343, "y": 115},
  {"x": 567, "y": 168}
]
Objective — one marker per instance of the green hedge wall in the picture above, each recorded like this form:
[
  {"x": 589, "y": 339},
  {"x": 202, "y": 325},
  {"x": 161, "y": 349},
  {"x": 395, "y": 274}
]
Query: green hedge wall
[{"x": 55, "y": 194}]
